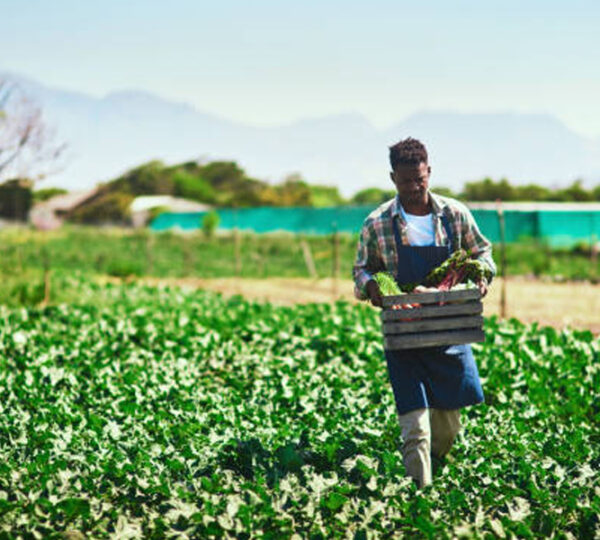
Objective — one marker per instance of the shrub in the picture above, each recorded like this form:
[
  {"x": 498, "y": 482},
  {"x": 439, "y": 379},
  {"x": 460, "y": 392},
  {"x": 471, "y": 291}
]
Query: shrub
[{"x": 210, "y": 222}]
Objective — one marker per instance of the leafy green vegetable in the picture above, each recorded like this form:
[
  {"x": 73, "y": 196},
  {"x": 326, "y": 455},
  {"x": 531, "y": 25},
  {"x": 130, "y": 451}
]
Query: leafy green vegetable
[
  {"x": 387, "y": 284},
  {"x": 458, "y": 268},
  {"x": 153, "y": 413}
]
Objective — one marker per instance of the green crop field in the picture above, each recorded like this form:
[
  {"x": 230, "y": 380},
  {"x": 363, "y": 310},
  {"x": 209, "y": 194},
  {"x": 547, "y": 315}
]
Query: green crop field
[
  {"x": 126, "y": 252},
  {"x": 154, "y": 412}
]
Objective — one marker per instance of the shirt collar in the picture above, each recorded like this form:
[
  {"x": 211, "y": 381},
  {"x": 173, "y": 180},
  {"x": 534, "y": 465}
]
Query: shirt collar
[
  {"x": 437, "y": 206},
  {"x": 397, "y": 209}
]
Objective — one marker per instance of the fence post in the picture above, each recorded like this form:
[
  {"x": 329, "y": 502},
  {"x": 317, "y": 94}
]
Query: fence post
[
  {"x": 335, "y": 261},
  {"x": 148, "y": 251},
  {"x": 593, "y": 249},
  {"x": 262, "y": 253},
  {"x": 237, "y": 244},
  {"x": 594, "y": 257},
  {"x": 502, "y": 258},
  {"x": 187, "y": 256},
  {"x": 19, "y": 258},
  {"x": 258, "y": 254},
  {"x": 308, "y": 259},
  {"x": 46, "y": 264}
]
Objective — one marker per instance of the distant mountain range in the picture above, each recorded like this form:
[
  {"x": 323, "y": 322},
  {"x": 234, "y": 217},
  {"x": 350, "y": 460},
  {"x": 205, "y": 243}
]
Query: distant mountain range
[{"x": 124, "y": 129}]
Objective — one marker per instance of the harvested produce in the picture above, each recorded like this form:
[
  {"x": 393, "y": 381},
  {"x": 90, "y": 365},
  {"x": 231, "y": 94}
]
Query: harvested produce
[
  {"x": 387, "y": 284},
  {"x": 389, "y": 287},
  {"x": 458, "y": 268}
]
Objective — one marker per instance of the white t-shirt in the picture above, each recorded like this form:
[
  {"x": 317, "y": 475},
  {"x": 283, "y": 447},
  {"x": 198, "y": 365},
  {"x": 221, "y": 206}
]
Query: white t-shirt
[{"x": 419, "y": 230}]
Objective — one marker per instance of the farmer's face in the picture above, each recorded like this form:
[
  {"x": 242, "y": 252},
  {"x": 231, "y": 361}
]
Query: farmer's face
[{"x": 412, "y": 183}]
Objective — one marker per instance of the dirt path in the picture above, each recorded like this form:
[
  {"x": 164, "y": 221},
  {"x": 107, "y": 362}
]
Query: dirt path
[{"x": 555, "y": 304}]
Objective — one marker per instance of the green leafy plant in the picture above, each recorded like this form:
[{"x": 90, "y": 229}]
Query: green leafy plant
[
  {"x": 387, "y": 284},
  {"x": 210, "y": 222},
  {"x": 458, "y": 268},
  {"x": 163, "y": 412}
]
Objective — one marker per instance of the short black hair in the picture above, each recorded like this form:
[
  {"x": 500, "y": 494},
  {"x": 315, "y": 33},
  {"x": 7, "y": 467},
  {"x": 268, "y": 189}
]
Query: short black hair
[{"x": 408, "y": 152}]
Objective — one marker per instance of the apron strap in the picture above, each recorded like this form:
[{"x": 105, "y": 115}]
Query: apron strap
[
  {"x": 415, "y": 262},
  {"x": 445, "y": 223},
  {"x": 448, "y": 229},
  {"x": 399, "y": 246},
  {"x": 397, "y": 237}
]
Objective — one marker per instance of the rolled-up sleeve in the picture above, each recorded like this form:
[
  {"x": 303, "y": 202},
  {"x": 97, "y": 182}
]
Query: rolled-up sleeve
[
  {"x": 479, "y": 246},
  {"x": 368, "y": 260}
]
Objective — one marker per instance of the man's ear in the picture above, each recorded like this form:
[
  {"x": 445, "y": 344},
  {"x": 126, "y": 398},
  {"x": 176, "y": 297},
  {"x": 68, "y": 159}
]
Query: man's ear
[
  {"x": 392, "y": 177},
  {"x": 428, "y": 169}
]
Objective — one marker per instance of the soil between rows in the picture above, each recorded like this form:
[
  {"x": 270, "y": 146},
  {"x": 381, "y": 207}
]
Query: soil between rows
[{"x": 573, "y": 304}]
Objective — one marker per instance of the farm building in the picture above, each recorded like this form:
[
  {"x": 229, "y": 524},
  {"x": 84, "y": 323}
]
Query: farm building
[
  {"x": 52, "y": 213},
  {"x": 145, "y": 206}
]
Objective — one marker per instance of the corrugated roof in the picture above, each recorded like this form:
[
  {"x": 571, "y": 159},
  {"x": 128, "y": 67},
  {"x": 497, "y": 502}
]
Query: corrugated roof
[
  {"x": 66, "y": 201},
  {"x": 173, "y": 204}
]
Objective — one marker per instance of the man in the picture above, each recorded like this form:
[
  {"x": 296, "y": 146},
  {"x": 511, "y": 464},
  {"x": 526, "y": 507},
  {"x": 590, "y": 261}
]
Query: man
[{"x": 408, "y": 236}]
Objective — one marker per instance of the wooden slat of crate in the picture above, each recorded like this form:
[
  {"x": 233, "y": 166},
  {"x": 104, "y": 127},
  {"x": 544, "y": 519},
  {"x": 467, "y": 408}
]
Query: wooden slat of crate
[
  {"x": 468, "y": 308},
  {"x": 432, "y": 339},
  {"x": 432, "y": 325},
  {"x": 432, "y": 297}
]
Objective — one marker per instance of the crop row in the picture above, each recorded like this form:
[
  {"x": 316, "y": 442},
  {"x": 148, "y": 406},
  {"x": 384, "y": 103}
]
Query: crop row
[
  {"x": 124, "y": 252},
  {"x": 164, "y": 413}
]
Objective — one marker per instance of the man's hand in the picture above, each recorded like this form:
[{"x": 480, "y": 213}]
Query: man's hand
[
  {"x": 482, "y": 284},
  {"x": 374, "y": 293}
]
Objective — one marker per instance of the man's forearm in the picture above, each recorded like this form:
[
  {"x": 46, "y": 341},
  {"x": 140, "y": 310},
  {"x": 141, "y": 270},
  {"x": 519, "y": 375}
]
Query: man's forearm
[
  {"x": 361, "y": 277},
  {"x": 485, "y": 257}
]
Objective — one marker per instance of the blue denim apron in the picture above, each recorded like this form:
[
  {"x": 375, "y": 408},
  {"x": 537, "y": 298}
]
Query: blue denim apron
[{"x": 430, "y": 377}]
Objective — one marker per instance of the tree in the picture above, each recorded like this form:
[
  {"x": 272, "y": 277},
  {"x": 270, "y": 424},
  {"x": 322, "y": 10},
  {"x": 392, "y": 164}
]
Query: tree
[
  {"x": 210, "y": 222},
  {"x": 230, "y": 184},
  {"x": 488, "y": 190},
  {"x": 41, "y": 195},
  {"x": 111, "y": 208},
  {"x": 372, "y": 196},
  {"x": 148, "y": 178},
  {"x": 323, "y": 196},
  {"x": 293, "y": 191},
  {"x": 15, "y": 199},
  {"x": 444, "y": 191},
  {"x": 574, "y": 193},
  {"x": 532, "y": 192},
  {"x": 27, "y": 146},
  {"x": 190, "y": 186},
  {"x": 223, "y": 175}
]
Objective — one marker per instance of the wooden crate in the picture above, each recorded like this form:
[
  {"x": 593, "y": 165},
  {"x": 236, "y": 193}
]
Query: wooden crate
[{"x": 443, "y": 318}]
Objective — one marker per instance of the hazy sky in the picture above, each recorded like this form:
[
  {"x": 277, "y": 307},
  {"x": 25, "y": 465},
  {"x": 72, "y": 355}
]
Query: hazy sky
[{"x": 271, "y": 62}]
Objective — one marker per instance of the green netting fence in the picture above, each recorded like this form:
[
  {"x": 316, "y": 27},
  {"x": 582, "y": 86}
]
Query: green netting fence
[{"x": 556, "y": 227}]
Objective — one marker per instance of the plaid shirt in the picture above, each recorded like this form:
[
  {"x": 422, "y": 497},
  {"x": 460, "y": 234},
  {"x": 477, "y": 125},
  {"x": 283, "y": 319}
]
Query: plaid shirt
[{"x": 377, "y": 245}]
